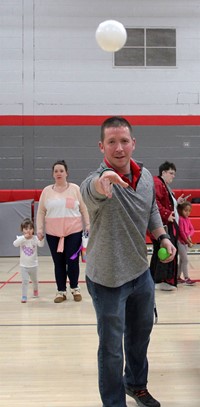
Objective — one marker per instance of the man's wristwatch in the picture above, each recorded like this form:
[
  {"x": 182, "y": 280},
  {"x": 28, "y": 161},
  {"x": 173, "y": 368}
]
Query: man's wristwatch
[{"x": 164, "y": 236}]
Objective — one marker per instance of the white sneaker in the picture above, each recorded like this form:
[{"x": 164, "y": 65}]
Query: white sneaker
[{"x": 165, "y": 287}]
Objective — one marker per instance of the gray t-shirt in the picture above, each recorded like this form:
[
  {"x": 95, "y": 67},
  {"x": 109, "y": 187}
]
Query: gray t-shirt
[{"x": 117, "y": 251}]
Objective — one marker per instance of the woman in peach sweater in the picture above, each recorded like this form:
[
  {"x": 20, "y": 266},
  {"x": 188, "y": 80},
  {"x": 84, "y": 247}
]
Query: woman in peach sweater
[{"x": 63, "y": 215}]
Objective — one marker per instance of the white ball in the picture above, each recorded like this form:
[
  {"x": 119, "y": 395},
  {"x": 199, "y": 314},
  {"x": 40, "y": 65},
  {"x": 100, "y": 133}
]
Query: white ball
[{"x": 111, "y": 35}]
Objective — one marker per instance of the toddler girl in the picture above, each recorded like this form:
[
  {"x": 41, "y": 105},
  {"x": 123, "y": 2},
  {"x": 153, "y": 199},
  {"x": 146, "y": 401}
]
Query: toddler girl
[
  {"x": 28, "y": 243},
  {"x": 186, "y": 230}
]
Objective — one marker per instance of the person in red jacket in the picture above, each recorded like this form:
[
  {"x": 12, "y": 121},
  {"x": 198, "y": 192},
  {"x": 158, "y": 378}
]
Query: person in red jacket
[{"x": 165, "y": 275}]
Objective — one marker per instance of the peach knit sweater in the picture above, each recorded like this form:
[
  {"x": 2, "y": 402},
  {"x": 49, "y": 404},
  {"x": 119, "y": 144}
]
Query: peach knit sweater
[{"x": 61, "y": 213}]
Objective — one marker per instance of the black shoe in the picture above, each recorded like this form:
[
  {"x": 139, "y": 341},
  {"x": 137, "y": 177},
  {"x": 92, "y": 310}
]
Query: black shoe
[{"x": 142, "y": 397}]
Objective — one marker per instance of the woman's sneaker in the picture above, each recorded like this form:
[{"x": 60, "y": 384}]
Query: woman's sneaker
[
  {"x": 35, "y": 293},
  {"x": 142, "y": 397},
  {"x": 24, "y": 299},
  {"x": 76, "y": 292},
  {"x": 165, "y": 287},
  {"x": 60, "y": 297}
]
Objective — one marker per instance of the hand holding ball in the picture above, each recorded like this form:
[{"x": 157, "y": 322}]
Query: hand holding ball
[
  {"x": 111, "y": 35},
  {"x": 163, "y": 253}
]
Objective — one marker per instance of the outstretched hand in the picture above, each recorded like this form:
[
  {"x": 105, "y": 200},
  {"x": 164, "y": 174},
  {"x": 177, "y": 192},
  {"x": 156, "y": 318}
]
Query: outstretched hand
[{"x": 104, "y": 184}]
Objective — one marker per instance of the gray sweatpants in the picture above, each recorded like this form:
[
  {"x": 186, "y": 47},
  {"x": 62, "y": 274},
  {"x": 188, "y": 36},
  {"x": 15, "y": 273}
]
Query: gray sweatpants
[
  {"x": 183, "y": 260},
  {"x": 27, "y": 274}
]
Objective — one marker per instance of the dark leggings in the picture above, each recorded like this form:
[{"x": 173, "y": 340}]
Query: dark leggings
[{"x": 65, "y": 267}]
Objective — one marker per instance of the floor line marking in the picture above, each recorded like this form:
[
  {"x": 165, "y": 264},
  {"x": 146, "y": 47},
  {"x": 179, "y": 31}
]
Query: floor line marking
[
  {"x": 9, "y": 280},
  {"x": 94, "y": 324},
  {"x": 39, "y": 282}
]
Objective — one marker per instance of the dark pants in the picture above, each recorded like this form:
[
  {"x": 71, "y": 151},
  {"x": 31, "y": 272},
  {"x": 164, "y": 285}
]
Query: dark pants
[
  {"x": 165, "y": 272},
  {"x": 64, "y": 266},
  {"x": 125, "y": 311}
]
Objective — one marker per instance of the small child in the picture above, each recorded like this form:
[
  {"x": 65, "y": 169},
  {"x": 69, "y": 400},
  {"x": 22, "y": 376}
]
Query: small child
[
  {"x": 186, "y": 230},
  {"x": 28, "y": 257}
]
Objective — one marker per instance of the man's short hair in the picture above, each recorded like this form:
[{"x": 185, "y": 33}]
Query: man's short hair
[{"x": 115, "y": 121}]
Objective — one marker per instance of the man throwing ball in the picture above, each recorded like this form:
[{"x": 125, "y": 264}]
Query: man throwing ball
[{"x": 120, "y": 199}]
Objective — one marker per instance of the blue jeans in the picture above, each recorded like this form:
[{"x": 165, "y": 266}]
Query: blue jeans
[{"x": 126, "y": 311}]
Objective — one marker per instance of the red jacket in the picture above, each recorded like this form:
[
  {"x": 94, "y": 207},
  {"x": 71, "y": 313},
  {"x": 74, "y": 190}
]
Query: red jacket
[{"x": 163, "y": 198}]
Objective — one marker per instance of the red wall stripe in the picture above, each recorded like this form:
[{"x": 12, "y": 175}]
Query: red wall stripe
[{"x": 97, "y": 120}]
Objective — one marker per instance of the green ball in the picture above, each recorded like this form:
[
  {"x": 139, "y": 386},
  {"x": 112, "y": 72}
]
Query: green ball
[{"x": 163, "y": 253}]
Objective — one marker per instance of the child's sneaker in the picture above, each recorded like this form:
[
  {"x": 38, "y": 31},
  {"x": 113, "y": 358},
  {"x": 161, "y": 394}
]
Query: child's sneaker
[
  {"x": 35, "y": 293},
  {"x": 189, "y": 282},
  {"x": 24, "y": 299},
  {"x": 76, "y": 294},
  {"x": 180, "y": 281}
]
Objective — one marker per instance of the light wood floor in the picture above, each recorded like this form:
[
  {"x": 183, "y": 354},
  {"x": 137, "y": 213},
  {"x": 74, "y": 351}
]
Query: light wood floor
[{"x": 48, "y": 351}]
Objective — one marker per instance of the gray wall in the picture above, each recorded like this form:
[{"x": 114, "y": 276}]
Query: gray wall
[
  {"x": 51, "y": 64},
  {"x": 11, "y": 216},
  {"x": 27, "y": 153}
]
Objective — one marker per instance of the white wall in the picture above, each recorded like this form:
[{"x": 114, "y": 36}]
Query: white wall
[{"x": 50, "y": 62}]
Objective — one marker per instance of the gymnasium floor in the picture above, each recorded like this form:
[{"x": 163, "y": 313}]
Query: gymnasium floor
[{"x": 48, "y": 351}]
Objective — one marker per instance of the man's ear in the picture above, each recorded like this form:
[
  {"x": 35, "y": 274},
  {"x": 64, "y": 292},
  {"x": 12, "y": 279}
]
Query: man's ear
[
  {"x": 134, "y": 144},
  {"x": 101, "y": 147}
]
